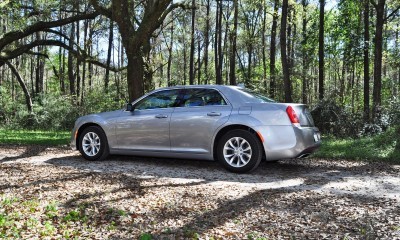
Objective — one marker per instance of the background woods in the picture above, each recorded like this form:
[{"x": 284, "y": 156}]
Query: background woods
[{"x": 61, "y": 59}]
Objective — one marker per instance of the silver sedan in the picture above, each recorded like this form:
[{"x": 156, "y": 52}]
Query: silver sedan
[{"x": 233, "y": 125}]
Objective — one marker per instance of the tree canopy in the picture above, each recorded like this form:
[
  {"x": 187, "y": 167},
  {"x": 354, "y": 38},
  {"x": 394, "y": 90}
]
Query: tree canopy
[{"x": 302, "y": 51}]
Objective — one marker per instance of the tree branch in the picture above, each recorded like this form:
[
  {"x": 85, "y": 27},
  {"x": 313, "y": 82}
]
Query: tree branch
[
  {"x": 37, "y": 54},
  {"x": 391, "y": 14},
  {"x": 374, "y": 3},
  {"x": 79, "y": 54},
  {"x": 102, "y": 10},
  {"x": 39, "y": 26},
  {"x": 28, "y": 98},
  {"x": 169, "y": 9},
  {"x": 57, "y": 33}
]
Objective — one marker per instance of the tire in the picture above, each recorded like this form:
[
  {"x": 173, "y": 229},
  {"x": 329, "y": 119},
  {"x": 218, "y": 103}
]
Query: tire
[
  {"x": 239, "y": 151},
  {"x": 97, "y": 149}
]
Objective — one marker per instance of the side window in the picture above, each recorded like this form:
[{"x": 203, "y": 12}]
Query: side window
[
  {"x": 161, "y": 99},
  {"x": 202, "y": 97}
]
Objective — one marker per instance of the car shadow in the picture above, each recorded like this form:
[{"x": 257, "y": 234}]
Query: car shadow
[
  {"x": 208, "y": 171},
  {"x": 29, "y": 151}
]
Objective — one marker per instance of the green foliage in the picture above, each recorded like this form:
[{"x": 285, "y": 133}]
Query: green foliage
[
  {"x": 51, "y": 210},
  {"x": 332, "y": 119},
  {"x": 379, "y": 147},
  {"x": 48, "y": 229},
  {"x": 31, "y": 205},
  {"x": 145, "y": 236},
  {"x": 254, "y": 236},
  {"x": 54, "y": 112},
  {"x": 75, "y": 215},
  {"x": 191, "y": 233}
]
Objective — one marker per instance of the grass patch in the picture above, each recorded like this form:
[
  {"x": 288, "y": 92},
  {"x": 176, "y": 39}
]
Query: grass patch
[
  {"x": 34, "y": 137},
  {"x": 379, "y": 147}
]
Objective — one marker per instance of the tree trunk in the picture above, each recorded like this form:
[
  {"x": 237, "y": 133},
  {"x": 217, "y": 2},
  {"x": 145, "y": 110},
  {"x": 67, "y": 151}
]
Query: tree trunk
[
  {"x": 232, "y": 58},
  {"x": 289, "y": 38},
  {"x": 63, "y": 70},
  {"x": 294, "y": 33},
  {"x": 32, "y": 77},
  {"x": 206, "y": 42},
  {"x": 78, "y": 61},
  {"x": 28, "y": 99},
  {"x": 264, "y": 58},
  {"x": 191, "y": 60},
  {"x": 304, "y": 53},
  {"x": 377, "y": 92},
  {"x": 398, "y": 70},
  {"x": 198, "y": 63},
  {"x": 169, "y": 64},
  {"x": 285, "y": 65},
  {"x": 110, "y": 43},
  {"x": 249, "y": 63},
  {"x": 71, "y": 74},
  {"x": 60, "y": 58},
  {"x": 218, "y": 44},
  {"x": 135, "y": 74},
  {"x": 90, "y": 66},
  {"x": 321, "y": 50},
  {"x": 272, "y": 55},
  {"x": 85, "y": 32},
  {"x": 39, "y": 67},
  {"x": 366, "y": 60}
]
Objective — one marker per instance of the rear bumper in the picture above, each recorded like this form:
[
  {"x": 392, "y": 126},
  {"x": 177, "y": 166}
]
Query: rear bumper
[{"x": 285, "y": 142}]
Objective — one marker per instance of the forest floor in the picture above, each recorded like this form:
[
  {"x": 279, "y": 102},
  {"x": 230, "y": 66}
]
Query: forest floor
[{"x": 51, "y": 192}]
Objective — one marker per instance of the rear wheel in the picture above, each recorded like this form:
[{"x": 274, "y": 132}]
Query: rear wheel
[
  {"x": 239, "y": 151},
  {"x": 93, "y": 143}
]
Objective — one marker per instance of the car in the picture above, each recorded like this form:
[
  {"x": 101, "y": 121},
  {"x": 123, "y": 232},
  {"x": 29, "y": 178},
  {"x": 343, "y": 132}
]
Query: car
[{"x": 233, "y": 125}]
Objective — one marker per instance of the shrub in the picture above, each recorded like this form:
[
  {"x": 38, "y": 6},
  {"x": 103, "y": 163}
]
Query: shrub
[
  {"x": 335, "y": 120},
  {"x": 55, "y": 112}
]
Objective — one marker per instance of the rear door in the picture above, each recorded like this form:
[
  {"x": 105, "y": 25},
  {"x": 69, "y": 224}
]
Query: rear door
[{"x": 193, "y": 123}]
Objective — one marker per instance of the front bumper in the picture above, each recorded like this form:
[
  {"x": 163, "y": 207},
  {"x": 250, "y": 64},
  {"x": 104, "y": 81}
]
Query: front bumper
[{"x": 73, "y": 139}]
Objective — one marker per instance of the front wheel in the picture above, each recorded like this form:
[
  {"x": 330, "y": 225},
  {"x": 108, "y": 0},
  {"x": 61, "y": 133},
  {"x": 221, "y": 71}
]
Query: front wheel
[
  {"x": 93, "y": 143},
  {"x": 239, "y": 151}
]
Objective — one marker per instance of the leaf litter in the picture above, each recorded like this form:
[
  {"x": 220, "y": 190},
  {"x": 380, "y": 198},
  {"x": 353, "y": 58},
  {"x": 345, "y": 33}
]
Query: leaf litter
[{"x": 52, "y": 193}]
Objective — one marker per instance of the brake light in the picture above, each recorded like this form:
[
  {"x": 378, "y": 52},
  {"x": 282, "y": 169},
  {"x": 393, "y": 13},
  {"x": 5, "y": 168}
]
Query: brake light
[{"x": 292, "y": 116}]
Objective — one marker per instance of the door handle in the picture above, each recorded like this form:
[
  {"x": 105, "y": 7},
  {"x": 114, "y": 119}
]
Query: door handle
[
  {"x": 213, "y": 114},
  {"x": 161, "y": 116}
]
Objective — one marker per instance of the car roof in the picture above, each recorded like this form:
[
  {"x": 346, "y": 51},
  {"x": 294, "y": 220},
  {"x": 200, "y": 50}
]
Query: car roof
[{"x": 200, "y": 86}]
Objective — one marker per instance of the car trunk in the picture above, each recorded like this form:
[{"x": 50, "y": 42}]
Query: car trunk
[{"x": 303, "y": 115}]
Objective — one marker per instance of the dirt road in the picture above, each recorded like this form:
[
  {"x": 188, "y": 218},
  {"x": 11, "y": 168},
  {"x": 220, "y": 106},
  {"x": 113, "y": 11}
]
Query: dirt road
[{"x": 126, "y": 197}]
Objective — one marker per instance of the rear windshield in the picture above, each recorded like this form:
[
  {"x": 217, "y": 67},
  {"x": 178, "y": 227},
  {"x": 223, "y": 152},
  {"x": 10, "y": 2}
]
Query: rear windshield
[{"x": 261, "y": 98}]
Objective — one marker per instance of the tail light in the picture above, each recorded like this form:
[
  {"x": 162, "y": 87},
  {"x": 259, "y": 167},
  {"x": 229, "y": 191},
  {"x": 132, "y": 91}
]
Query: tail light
[{"x": 292, "y": 116}]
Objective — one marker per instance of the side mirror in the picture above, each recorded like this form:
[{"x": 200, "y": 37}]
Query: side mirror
[{"x": 129, "y": 107}]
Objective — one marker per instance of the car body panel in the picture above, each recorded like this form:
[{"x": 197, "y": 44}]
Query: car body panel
[
  {"x": 192, "y": 128},
  {"x": 144, "y": 130},
  {"x": 189, "y": 132}
]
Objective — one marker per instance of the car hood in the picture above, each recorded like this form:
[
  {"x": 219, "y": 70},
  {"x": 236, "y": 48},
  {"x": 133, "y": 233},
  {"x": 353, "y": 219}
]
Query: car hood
[
  {"x": 95, "y": 117},
  {"x": 106, "y": 115}
]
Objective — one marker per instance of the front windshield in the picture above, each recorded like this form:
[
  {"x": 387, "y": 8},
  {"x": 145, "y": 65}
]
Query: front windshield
[{"x": 258, "y": 96}]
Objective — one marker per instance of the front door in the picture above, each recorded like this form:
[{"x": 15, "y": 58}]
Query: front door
[{"x": 146, "y": 128}]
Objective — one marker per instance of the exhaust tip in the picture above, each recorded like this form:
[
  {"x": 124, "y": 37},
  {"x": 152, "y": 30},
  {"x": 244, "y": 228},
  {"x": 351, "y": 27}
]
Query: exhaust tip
[{"x": 304, "y": 155}]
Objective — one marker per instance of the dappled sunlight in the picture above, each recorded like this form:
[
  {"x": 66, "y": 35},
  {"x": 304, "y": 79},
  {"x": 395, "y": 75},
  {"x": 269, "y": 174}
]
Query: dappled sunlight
[
  {"x": 124, "y": 197},
  {"x": 366, "y": 185}
]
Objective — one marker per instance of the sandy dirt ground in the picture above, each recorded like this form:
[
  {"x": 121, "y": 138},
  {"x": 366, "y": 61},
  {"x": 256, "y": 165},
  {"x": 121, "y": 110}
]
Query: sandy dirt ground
[{"x": 127, "y": 197}]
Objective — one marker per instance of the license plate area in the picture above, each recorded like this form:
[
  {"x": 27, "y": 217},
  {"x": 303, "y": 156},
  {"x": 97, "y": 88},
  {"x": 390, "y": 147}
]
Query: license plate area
[{"x": 317, "y": 137}]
